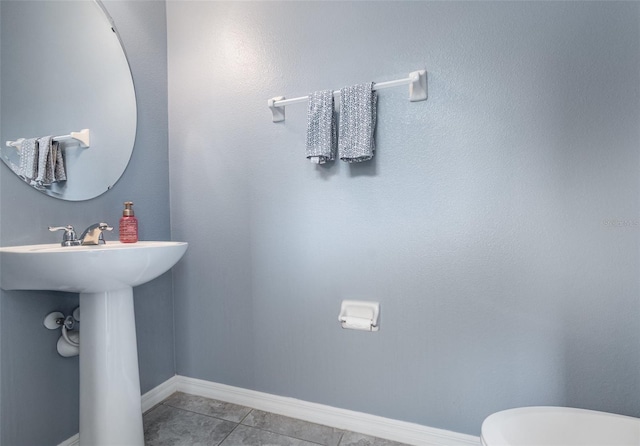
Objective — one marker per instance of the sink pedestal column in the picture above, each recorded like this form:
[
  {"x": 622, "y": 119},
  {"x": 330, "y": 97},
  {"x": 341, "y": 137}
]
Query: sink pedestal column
[{"x": 110, "y": 403}]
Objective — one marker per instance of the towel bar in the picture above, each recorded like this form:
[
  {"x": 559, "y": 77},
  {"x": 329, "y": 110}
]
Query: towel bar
[
  {"x": 417, "y": 82},
  {"x": 83, "y": 136}
]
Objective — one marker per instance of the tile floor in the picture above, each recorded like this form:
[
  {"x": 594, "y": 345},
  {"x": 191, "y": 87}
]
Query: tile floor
[{"x": 187, "y": 420}]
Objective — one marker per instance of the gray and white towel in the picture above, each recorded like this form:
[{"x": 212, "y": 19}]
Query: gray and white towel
[
  {"x": 50, "y": 162},
  {"x": 357, "y": 123},
  {"x": 45, "y": 169},
  {"x": 28, "y": 169},
  {"x": 59, "y": 171},
  {"x": 321, "y": 127}
]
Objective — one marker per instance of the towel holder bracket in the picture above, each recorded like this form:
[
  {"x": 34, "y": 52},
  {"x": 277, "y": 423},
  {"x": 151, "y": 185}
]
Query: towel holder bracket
[
  {"x": 418, "y": 86},
  {"x": 83, "y": 137},
  {"x": 278, "y": 112}
]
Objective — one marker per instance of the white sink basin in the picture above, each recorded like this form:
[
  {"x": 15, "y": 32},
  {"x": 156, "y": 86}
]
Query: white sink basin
[
  {"x": 110, "y": 406},
  {"x": 86, "y": 269}
]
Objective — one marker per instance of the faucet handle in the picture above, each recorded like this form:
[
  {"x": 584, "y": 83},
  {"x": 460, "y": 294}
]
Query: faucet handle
[
  {"x": 69, "y": 238},
  {"x": 105, "y": 227}
]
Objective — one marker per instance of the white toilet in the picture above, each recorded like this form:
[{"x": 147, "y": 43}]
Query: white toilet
[{"x": 559, "y": 426}]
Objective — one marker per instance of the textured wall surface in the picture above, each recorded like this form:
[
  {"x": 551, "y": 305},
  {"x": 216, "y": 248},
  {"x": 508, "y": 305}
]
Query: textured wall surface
[
  {"x": 488, "y": 224},
  {"x": 39, "y": 388}
]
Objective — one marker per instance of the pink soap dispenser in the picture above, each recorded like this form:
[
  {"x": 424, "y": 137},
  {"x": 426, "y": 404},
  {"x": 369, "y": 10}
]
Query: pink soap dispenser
[{"x": 128, "y": 224}]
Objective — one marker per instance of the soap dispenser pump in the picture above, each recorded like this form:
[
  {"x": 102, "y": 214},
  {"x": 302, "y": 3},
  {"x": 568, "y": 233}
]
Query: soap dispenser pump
[{"x": 128, "y": 224}]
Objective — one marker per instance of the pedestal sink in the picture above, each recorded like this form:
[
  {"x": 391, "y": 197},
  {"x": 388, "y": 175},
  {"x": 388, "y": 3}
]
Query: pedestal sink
[{"x": 110, "y": 406}]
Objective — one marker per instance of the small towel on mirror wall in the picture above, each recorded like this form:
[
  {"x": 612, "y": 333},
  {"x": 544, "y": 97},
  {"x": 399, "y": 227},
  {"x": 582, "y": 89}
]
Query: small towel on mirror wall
[
  {"x": 356, "y": 142},
  {"x": 45, "y": 169},
  {"x": 59, "y": 173},
  {"x": 50, "y": 162},
  {"x": 321, "y": 127},
  {"x": 28, "y": 169}
]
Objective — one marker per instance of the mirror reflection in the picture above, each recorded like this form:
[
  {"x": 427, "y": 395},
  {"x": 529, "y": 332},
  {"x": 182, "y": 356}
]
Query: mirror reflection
[{"x": 68, "y": 107}]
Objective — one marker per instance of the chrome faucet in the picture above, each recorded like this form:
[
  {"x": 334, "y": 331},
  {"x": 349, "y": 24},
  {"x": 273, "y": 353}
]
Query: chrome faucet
[{"x": 93, "y": 234}]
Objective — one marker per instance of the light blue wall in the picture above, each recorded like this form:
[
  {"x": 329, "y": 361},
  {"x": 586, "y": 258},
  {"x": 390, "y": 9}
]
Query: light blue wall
[
  {"x": 39, "y": 389},
  {"x": 480, "y": 226}
]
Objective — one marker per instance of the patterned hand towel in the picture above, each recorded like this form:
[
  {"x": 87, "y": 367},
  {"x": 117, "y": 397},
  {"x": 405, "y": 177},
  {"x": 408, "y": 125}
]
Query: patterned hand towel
[
  {"x": 59, "y": 173},
  {"x": 29, "y": 159},
  {"x": 357, "y": 123},
  {"x": 44, "y": 176},
  {"x": 50, "y": 162},
  {"x": 321, "y": 127}
]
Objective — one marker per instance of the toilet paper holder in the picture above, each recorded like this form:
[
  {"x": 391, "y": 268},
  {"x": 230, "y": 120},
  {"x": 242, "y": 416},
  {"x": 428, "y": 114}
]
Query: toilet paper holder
[{"x": 359, "y": 315}]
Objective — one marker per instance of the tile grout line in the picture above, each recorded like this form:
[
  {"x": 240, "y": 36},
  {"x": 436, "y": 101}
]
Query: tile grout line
[
  {"x": 240, "y": 423},
  {"x": 229, "y": 434},
  {"x": 200, "y": 413},
  {"x": 281, "y": 434},
  {"x": 245, "y": 417},
  {"x": 291, "y": 436}
]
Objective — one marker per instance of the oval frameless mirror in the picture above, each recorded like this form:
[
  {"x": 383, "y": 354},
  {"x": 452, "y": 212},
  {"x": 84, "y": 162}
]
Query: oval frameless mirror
[{"x": 63, "y": 69}]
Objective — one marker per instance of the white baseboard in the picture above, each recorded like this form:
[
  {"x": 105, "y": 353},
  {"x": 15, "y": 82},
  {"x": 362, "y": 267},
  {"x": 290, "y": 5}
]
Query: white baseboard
[
  {"x": 401, "y": 431},
  {"x": 72, "y": 441},
  {"x": 159, "y": 393}
]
